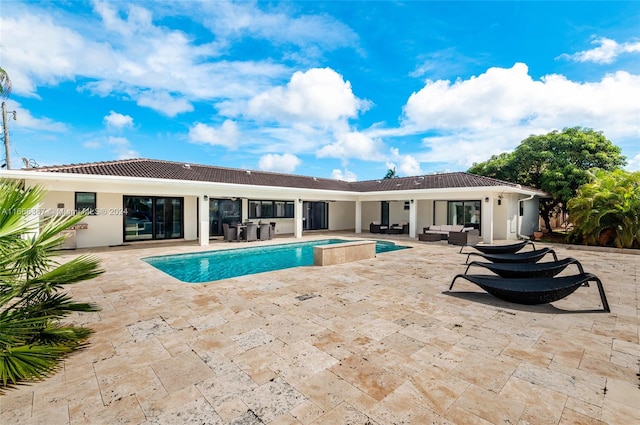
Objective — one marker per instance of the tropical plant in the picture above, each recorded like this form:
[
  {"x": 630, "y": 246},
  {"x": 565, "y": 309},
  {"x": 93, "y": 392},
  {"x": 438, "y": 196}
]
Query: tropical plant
[
  {"x": 33, "y": 340},
  {"x": 606, "y": 210},
  {"x": 5, "y": 84},
  {"x": 556, "y": 163},
  {"x": 391, "y": 174}
]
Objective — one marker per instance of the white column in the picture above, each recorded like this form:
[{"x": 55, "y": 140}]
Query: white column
[
  {"x": 358, "y": 216},
  {"x": 298, "y": 218},
  {"x": 487, "y": 220},
  {"x": 244, "y": 207},
  {"x": 204, "y": 221},
  {"x": 413, "y": 218}
]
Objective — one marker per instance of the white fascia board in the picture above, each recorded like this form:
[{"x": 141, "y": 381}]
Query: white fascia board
[
  {"x": 446, "y": 193},
  {"x": 138, "y": 185}
]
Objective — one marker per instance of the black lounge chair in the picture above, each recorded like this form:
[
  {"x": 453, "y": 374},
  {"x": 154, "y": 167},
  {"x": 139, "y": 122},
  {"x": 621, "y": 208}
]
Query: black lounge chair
[
  {"x": 518, "y": 257},
  {"x": 527, "y": 270},
  {"x": 534, "y": 290},
  {"x": 502, "y": 249}
]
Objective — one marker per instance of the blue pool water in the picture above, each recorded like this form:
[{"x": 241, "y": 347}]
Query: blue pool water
[{"x": 224, "y": 264}]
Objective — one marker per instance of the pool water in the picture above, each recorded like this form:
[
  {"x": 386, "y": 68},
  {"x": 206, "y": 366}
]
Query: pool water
[{"x": 228, "y": 263}]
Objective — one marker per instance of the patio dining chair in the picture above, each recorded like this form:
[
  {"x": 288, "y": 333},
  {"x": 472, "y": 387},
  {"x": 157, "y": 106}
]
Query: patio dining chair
[
  {"x": 230, "y": 233},
  {"x": 250, "y": 232},
  {"x": 265, "y": 231}
]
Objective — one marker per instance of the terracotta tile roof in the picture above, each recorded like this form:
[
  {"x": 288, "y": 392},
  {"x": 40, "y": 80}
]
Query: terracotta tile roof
[
  {"x": 159, "y": 169},
  {"x": 429, "y": 181}
]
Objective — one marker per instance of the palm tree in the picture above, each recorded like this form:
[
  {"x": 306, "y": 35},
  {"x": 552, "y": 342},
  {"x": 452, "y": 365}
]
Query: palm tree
[
  {"x": 33, "y": 339},
  {"x": 5, "y": 84},
  {"x": 5, "y": 91},
  {"x": 391, "y": 173}
]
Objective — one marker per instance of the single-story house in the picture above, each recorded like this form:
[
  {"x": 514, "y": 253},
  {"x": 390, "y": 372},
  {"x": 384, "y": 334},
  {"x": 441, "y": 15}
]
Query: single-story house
[{"x": 144, "y": 199}]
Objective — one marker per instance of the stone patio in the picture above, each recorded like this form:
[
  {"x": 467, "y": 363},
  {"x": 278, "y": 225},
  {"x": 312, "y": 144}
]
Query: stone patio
[{"x": 376, "y": 342}]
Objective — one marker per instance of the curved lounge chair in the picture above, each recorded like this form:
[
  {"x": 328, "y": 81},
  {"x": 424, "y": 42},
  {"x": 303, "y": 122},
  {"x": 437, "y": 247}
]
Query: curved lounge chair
[
  {"x": 527, "y": 270},
  {"x": 502, "y": 249},
  {"x": 534, "y": 290},
  {"x": 518, "y": 257}
]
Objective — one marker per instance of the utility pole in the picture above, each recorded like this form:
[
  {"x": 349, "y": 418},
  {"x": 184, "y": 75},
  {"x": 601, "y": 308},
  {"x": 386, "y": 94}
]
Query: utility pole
[{"x": 5, "y": 127}]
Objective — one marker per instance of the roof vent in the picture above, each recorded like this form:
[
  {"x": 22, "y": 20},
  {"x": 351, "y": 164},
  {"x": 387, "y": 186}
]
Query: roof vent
[
  {"x": 187, "y": 166},
  {"x": 248, "y": 171},
  {"x": 315, "y": 179}
]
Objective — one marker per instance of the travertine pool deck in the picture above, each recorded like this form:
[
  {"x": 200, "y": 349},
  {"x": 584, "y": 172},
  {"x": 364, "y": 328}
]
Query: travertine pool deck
[{"x": 377, "y": 342}]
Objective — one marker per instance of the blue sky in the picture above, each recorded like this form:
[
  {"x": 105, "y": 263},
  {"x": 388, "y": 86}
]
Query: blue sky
[{"x": 339, "y": 89}]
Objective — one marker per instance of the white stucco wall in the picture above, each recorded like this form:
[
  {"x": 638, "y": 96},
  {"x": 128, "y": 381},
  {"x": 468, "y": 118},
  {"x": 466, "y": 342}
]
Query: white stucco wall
[
  {"x": 370, "y": 213},
  {"x": 441, "y": 212},
  {"x": 529, "y": 218},
  {"x": 105, "y": 228},
  {"x": 424, "y": 215},
  {"x": 500, "y": 226},
  {"x": 342, "y": 215},
  {"x": 397, "y": 213}
]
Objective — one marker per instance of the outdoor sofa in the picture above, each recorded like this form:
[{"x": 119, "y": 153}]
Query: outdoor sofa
[
  {"x": 398, "y": 228},
  {"x": 376, "y": 227},
  {"x": 445, "y": 229}
]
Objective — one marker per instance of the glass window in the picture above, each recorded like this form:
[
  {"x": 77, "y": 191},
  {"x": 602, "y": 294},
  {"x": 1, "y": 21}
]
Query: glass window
[
  {"x": 86, "y": 202},
  {"x": 280, "y": 209},
  {"x": 267, "y": 209},
  {"x": 271, "y": 209},
  {"x": 466, "y": 213}
]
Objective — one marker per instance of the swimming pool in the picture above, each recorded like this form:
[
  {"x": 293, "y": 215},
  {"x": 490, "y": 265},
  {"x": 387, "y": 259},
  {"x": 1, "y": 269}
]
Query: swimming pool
[{"x": 228, "y": 263}]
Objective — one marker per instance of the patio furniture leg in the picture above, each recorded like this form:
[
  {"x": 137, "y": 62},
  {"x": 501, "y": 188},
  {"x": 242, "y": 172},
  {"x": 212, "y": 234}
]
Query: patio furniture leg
[{"x": 603, "y": 296}]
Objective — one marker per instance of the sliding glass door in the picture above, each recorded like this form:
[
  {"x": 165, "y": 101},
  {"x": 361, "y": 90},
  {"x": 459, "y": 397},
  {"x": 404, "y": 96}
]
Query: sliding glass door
[
  {"x": 315, "y": 215},
  {"x": 466, "y": 213},
  {"x": 223, "y": 211},
  {"x": 151, "y": 217}
]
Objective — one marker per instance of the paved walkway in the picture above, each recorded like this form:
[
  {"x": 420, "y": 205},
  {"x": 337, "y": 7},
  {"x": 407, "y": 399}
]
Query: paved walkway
[{"x": 375, "y": 342}]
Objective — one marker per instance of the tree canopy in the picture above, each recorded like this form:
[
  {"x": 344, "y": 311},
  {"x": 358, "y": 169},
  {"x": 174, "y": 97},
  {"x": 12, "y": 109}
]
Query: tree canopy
[
  {"x": 391, "y": 174},
  {"x": 557, "y": 163},
  {"x": 5, "y": 84}
]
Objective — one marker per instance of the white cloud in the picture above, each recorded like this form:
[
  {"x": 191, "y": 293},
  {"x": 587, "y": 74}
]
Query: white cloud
[
  {"x": 607, "y": 51},
  {"x": 227, "y": 135},
  {"x": 319, "y": 97},
  {"x": 345, "y": 175},
  {"x": 122, "y": 148},
  {"x": 408, "y": 165},
  {"x": 491, "y": 113},
  {"x": 118, "y": 121},
  {"x": 165, "y": 103},
  {"x": 352, "y": 145},
  {"x": 24, "y": 119},
  {"x": 633, "y": 164},
  {"x": 92, "y": 144},
  {"x": 285, "y": 163},
  {"x": 163, "y": 69},
  {"x": 279, "y": 26}
]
